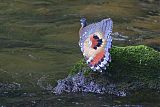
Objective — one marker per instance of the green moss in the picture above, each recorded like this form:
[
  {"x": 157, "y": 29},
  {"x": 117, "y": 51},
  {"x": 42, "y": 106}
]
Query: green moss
[
  {"x": 79, "y": 66},
  {"x": 131, "y": 64},
  {"x": 135, "y": 62}
]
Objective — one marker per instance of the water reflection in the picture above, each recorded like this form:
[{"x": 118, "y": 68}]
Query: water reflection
[{"x": 75, "y": 100}]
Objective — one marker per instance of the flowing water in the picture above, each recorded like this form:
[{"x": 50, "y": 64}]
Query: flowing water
[{"x": 39, "y": 45}]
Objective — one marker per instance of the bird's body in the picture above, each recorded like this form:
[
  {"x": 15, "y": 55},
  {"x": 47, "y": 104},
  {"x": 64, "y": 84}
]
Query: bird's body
[{"x": 95, "y": 42}]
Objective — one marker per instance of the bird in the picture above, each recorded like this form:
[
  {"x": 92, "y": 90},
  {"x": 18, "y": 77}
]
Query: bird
[{"x": 95, "y": 43}]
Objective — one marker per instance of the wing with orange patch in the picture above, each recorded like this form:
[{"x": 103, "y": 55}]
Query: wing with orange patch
[
  {"x": 96, "y": 51},
  {"x": 96, "y": 44}
]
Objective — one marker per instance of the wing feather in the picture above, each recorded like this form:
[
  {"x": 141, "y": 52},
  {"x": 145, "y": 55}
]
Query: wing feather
[{"x": 97, "y": 58}]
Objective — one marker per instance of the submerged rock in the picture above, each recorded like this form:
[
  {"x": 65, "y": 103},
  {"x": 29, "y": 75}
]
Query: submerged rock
[{"x": 80, "y": 83}]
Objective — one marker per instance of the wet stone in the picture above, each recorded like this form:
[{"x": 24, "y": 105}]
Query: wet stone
[{"x": 80, "y": 83}]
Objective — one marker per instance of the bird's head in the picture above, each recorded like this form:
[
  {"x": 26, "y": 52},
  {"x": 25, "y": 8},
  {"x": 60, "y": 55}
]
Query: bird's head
[{"x": 83, "y": 22}]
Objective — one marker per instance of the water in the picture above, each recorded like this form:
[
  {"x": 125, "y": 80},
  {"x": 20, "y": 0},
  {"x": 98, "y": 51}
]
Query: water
[
  {"x": 83, "y": 100},
  {"x": 39, "y": 42}
]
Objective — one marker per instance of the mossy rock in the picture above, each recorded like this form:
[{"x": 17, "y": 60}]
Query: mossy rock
[{"x": 138, "y": 66}]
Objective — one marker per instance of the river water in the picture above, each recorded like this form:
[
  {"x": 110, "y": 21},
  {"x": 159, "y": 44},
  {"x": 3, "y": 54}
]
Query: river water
[{"x": 39, "y": 43}]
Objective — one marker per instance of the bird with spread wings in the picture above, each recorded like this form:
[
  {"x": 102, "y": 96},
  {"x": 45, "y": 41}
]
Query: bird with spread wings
[{"x": 95, "y": 42}]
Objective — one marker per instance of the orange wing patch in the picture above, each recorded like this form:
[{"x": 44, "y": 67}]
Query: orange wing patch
[{"x": 97, "y": 58}]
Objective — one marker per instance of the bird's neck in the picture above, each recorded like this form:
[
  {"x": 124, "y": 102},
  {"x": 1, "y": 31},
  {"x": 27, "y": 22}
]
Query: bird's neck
[
  {"x": 80, "y": 30},
  {"x": 82, "y": 26}
]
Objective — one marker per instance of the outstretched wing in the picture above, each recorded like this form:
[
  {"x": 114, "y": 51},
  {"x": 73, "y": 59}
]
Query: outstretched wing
[{"x": 95, "y": 43}]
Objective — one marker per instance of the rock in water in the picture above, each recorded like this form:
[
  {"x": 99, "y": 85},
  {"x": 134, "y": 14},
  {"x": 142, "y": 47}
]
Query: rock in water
[
  {"x": 80, "y": 83},
  {"x": 132, "y": 68}
]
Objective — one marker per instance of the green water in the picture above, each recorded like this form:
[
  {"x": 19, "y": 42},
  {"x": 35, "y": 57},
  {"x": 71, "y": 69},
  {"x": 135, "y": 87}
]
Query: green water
[{"x": 39, "y": 39}]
